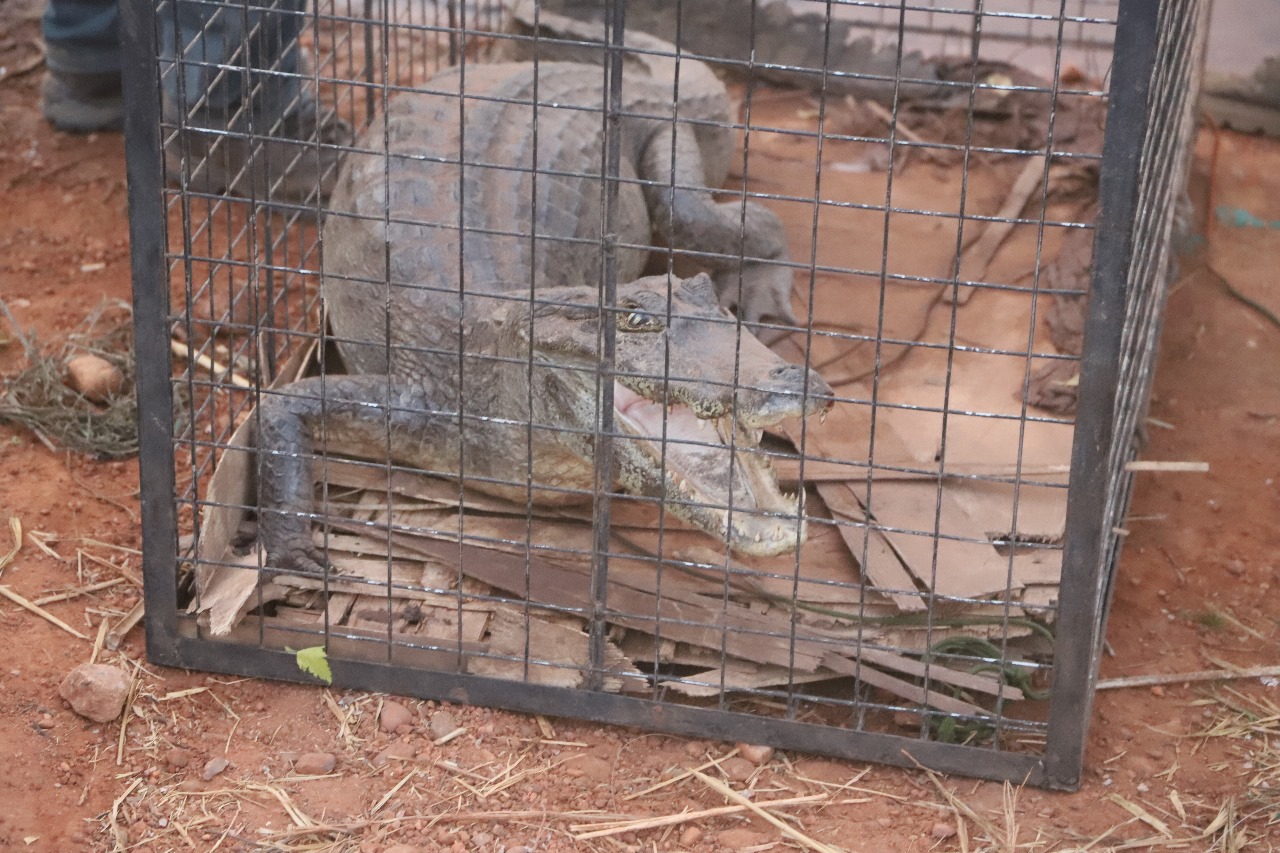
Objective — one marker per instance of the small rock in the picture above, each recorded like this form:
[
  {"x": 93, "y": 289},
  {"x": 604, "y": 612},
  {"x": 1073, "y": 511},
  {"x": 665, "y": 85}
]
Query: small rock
[
  {"x": 480, "y": 840},
  {"x": 393, "y": 716},
  {"x": 740, "y": 838},
  {"x": 942, "y": 831},
  {"x": 94, "y": 378},
  {"x": 177, "y": 758},
  {"x": 690, "y": 837},
  {"x": 315, "y": 763},
  {"x": 96, "y": 691},
  {"x": 1157, "y": 692},
  {"x": 402, "y": 848},
  {"x": 737, "y": 769},
  {"x": 443, "y": 723},
  {"x": 590, "y": 767},
  {"x": 213, "y": 767},
  {"x": 401, "y": 750},
  {"x": 757, "y": 755}
]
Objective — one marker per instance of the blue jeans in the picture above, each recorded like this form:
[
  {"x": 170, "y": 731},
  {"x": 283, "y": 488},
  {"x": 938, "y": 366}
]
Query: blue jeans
[{"x": 259, "y": 38}]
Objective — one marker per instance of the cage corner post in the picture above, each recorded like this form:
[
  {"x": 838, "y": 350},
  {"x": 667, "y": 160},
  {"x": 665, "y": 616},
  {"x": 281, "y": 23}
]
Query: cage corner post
[
  {"x": 1088, "y": 550},
  {"x": 144, "y": 166}
]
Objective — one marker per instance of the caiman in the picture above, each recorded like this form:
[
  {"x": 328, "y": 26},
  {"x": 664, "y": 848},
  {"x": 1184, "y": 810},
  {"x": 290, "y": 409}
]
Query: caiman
[{"x": 463, "y": 280}]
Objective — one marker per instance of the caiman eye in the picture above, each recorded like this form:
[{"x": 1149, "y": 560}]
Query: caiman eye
[{"x": 639, "y": 321}]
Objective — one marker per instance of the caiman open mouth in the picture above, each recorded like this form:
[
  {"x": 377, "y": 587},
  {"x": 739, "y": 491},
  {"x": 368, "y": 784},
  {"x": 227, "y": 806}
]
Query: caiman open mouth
[{"x": 712, "y": 464}]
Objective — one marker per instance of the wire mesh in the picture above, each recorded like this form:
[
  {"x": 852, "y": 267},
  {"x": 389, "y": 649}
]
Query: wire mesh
[{"x": 501, "y": 325}]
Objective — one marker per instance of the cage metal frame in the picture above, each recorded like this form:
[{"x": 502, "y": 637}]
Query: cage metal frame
[{"x": 1147, "y": 108}]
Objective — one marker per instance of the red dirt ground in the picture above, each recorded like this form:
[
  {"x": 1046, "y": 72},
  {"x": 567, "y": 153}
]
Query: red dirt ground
[{"x": 1199, "y": 544}]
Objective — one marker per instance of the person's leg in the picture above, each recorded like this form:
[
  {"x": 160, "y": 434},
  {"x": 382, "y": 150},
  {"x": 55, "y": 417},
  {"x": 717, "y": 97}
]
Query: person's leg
[
  {"x": 81, "y": 91},
  {"x": 233, "y": 55},
  {"x": 239, "y": 68}
]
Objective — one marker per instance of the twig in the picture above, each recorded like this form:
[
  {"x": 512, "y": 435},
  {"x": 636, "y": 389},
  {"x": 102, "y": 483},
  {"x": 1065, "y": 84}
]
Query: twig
[
  {"x": 77, "y": 592},
  {"x": 130, "y": 698},
  {"x": 39, "y": 611},
  {"x": 1243, "y": 298},
  {"x": 117, "y": 832},
  {"x": 15, "y": 527},
  {"x": 1179, "y": 678},
  {"x": 125, "y": 625},
  {"x": 389, "y": 794},
  {"x": 99, "y": 640},
  {"x": 657, "y": 786},
  {"x": 977, "y": 255},
  {"x": 218, "y": 369},
  {"x": 639, "y": 824},
  {"x": 1153, "y": 465},
  {"x": 794, "y": 834}
]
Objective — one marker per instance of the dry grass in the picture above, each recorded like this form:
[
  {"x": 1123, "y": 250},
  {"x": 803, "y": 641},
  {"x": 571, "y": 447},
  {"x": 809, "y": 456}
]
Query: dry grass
[
  {"x": 441, "y": 795},
  {"x": 37, "y": 397}
]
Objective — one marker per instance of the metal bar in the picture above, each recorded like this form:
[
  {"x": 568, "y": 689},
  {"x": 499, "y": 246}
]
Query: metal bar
[
  {"x": 1088, "y": 533},
  {"x": 148, "y": 236},
  {"x": 621, "y": 710},
  {"x": 617, "y": 15}
]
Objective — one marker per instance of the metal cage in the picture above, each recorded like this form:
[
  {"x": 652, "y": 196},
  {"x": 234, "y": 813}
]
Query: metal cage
[{"x": 948, "y": 202}]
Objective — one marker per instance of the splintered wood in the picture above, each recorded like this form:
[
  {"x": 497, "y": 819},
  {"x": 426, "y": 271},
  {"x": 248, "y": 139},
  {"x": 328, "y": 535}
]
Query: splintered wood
[{"x": 936, "y": 493}]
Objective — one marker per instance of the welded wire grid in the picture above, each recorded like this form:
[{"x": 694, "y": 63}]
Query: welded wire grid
[
  {"x": 1162, "y": 177},
  {"x": 244, "y": 265}
]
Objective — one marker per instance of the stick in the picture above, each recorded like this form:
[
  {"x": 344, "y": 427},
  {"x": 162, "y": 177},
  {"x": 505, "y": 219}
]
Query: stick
[
  {"x": 15, "y": 527},
  {"x": 1153, "y": 465},
  {"x": 977, "y": 256},
  {"x": 1179, "y": 678},
  {"x": 640, "y": 824},
  {"x": 794, "y": 834},
  {"x": 99, "y": 640},
  {"x": 39, "y": 611},
  {"x": 77, "y": 592},
  {"x": 181, "y": 350},
  {"x": 887, "y": 117},
  {"x": 389, "y": 794},
  {"x": 133, "y": 617}
]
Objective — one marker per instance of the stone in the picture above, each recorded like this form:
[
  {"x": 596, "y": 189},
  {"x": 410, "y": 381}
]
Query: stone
[
  {"x": 740, "y": 838},
  {"x": 393, "y": 716},
  {"x": 942, "y": 831},
  {"x": 315, "y": 763},
  {"x": 177, "y": 758},
  {"x": 213, "y": 767},
  {"x": 401, "y": 750},
  {"x": 757, "y": 755},
  {"x": 737, "y": 769},
  {"x": 590, "y": 767},
  {"x": 443, "y": 723},
  {"x": 690, "y": 837},
  {"x": 96, "y": 691},
  {"x": 94, "y": 378}
]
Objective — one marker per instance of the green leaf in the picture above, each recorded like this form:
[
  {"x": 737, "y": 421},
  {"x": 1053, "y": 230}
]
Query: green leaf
[{"x": 314, "y": 661}]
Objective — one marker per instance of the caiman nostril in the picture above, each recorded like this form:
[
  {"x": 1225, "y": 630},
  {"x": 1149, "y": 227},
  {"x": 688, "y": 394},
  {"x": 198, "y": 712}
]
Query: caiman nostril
[{"x": 787, "y": 371}]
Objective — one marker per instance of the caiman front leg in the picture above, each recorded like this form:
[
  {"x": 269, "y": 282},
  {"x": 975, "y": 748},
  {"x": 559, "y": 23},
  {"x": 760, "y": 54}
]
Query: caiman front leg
[
  {"x": 353, "y": 414},
  {"x": 688, "y": 217}
]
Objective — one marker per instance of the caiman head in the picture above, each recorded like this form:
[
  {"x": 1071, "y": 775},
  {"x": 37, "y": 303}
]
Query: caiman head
[{"x": 692, "y": 395}]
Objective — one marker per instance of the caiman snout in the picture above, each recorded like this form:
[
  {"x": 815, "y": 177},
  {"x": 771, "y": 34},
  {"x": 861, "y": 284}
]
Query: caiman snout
[
  {"x": 695, "y": 437},
  {"x": 791, "y": 391}
]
